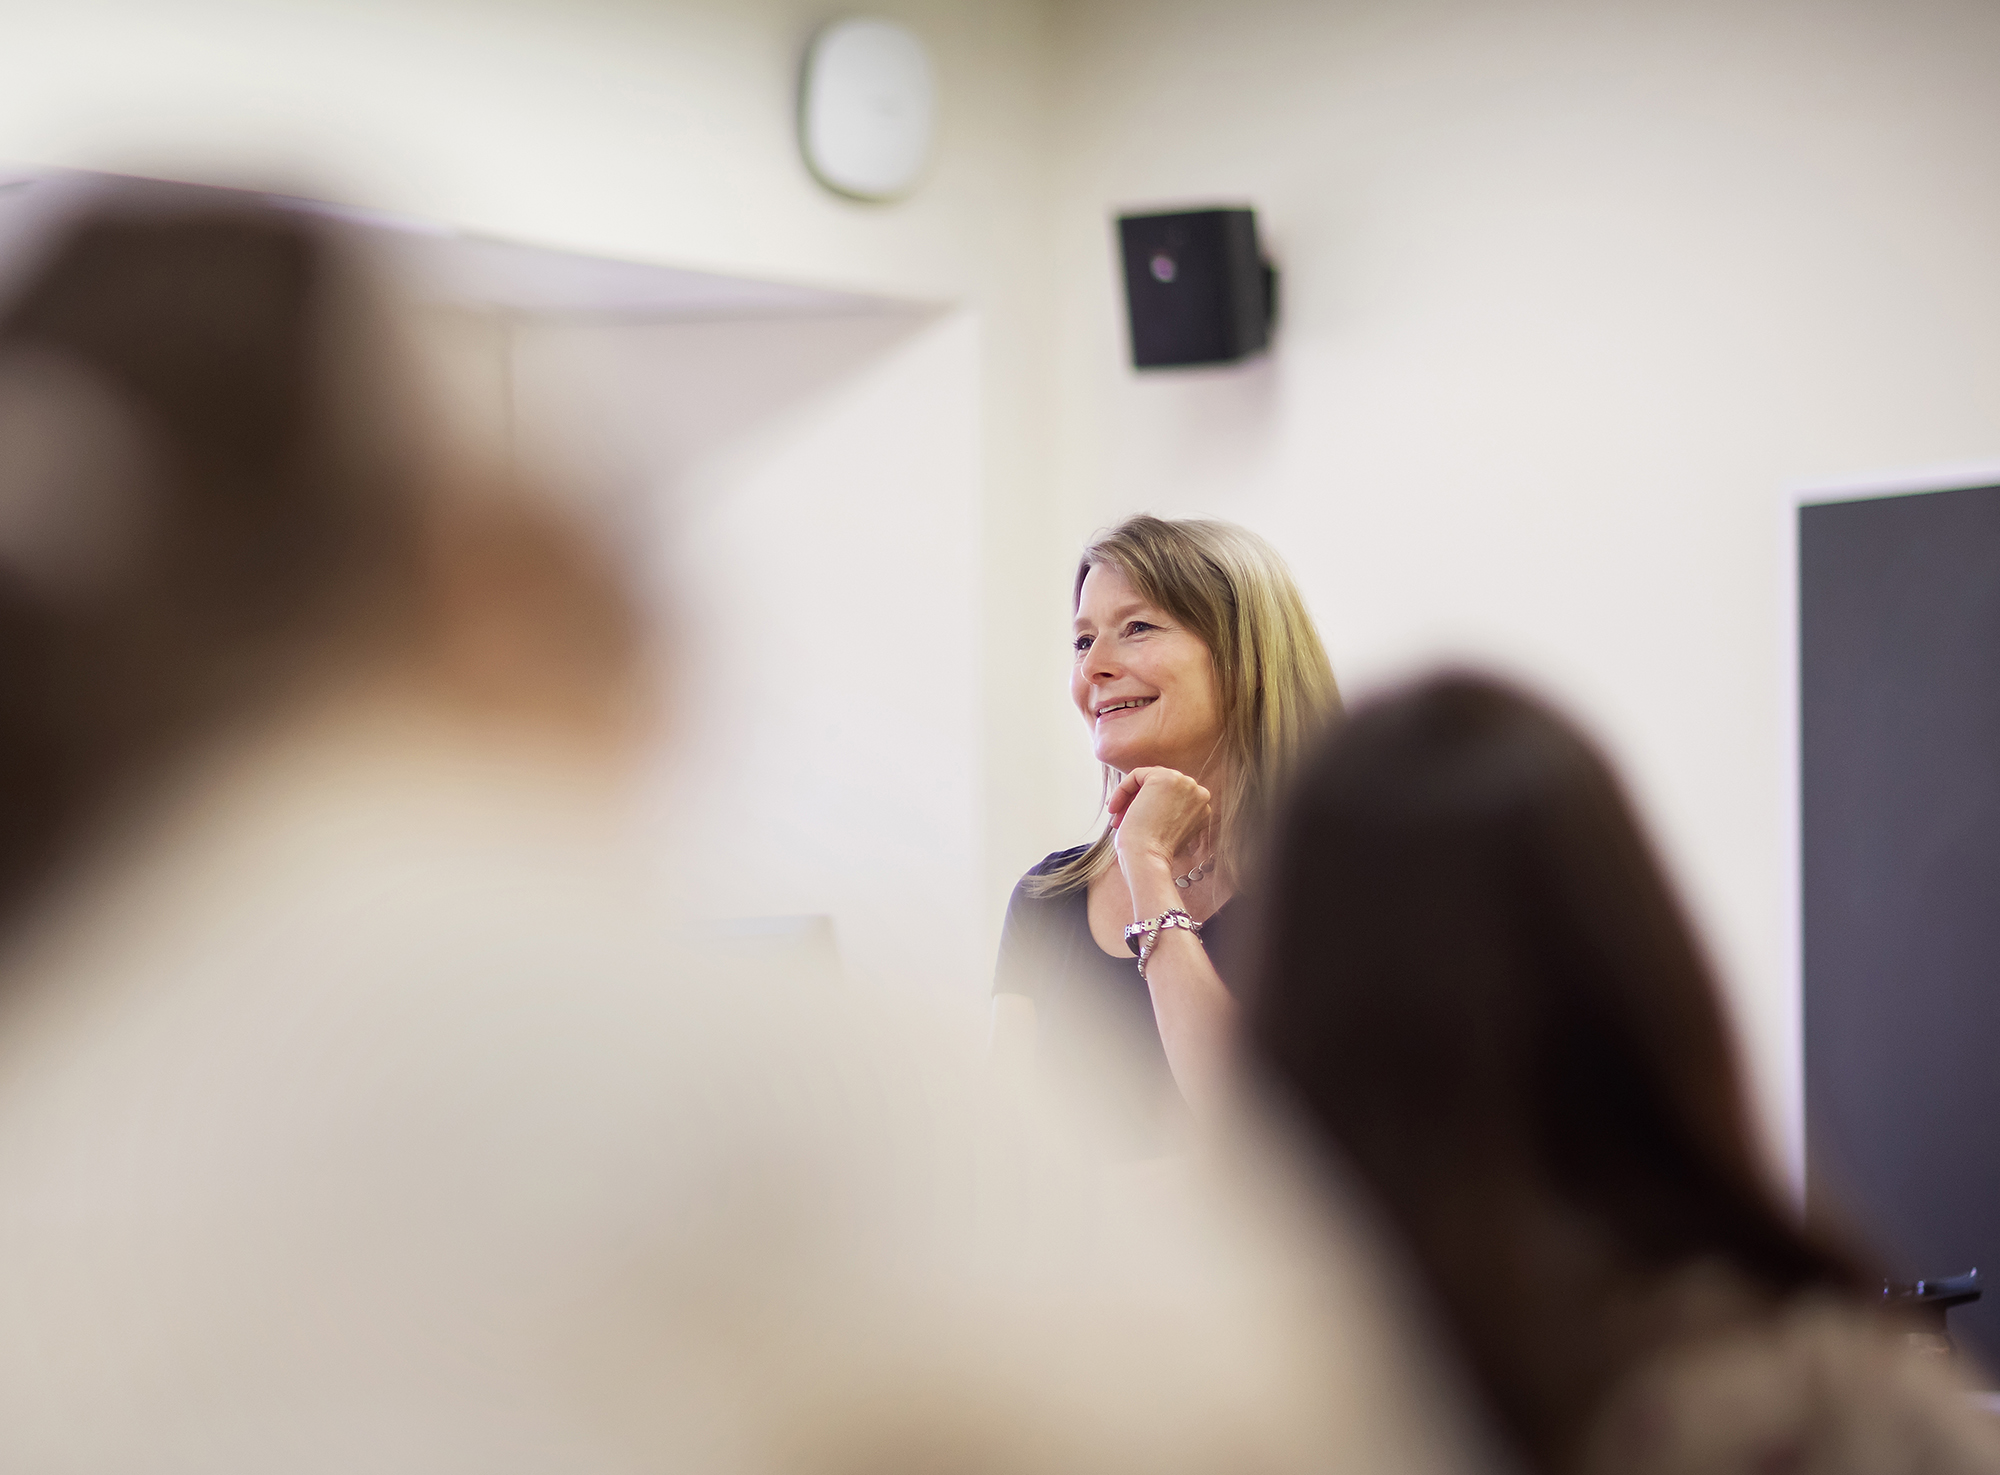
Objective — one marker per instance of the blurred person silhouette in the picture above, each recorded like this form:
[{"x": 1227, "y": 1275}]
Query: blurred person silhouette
[
  {"x": 355, "y": 1113},
  {"x": 1478, "y": 989},
  {"x": 1202, "y": 678}
]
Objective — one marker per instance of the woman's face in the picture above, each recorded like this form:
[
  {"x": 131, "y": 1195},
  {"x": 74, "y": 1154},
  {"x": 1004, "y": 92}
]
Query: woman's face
[{"x": 1145, "y": 684}]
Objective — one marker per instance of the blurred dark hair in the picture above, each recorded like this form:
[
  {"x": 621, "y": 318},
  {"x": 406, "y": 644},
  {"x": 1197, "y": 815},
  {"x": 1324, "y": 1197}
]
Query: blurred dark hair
[
  {"x": 206, "y": 484},
  {"x": 1476, "y": 983}
]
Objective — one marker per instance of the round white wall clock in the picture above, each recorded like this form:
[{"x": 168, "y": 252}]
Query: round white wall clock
[{"x": 865, "y": 108}]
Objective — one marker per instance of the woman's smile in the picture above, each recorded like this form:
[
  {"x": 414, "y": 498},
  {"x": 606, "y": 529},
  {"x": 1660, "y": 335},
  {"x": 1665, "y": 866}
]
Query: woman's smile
[{"x": 1119, "y": 706}]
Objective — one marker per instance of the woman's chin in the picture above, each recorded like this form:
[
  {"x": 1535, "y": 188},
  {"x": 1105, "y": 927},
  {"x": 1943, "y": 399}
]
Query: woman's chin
[{"x": 1123, "y": 758}]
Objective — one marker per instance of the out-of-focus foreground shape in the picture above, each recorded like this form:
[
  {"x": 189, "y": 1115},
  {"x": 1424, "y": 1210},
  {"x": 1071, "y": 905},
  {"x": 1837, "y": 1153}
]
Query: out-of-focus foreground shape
[
  {"x": 1480, "y": 991},
  {"x": 354, "y": 1111}
]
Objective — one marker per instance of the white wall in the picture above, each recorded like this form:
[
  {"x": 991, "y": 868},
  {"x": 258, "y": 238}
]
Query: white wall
[
  {"x": 656, "y": 130},
  {"x": 802, "y": 499},
  {"x": 1571, "y": 292},
  {"x": 797, "y": 499}
]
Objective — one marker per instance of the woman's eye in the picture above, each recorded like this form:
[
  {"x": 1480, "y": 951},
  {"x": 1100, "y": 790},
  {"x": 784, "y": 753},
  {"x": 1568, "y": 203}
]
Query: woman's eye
[
  {"x": 1081, "y": 644},
  {"x": 1137, "y": 625}
]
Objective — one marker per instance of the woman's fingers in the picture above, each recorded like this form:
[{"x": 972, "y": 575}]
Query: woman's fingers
[
  {"x": 1128, "y": 790},
  {"x": 1122, "y": 796},
  {"x": 1161, "y": 806}
]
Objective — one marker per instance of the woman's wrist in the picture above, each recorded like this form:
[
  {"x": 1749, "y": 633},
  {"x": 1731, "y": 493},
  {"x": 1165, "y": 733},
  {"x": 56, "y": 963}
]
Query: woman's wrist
[
  {"x": 1153, "y": 890},
  {"x": 1145, "y": 865},
  {"x": 1142, "y": 866}
]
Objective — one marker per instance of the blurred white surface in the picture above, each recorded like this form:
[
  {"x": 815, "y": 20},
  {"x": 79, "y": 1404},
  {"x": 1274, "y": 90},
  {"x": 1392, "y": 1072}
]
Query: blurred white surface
[
  {"x": 802, "y": 498},
  {"x": 794, "y": 475},
  {"x": 453, "y": 268},
  {"x": 362, "y": 1115},
  {"x": 633, "y": 133}
]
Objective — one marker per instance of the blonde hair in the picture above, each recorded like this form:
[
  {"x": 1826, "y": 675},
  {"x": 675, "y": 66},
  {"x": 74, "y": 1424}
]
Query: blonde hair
[{"x": 1276, "y": 687}]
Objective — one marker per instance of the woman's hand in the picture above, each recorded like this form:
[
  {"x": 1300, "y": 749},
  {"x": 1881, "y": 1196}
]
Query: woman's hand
[{"x": 1156, "y": 811}]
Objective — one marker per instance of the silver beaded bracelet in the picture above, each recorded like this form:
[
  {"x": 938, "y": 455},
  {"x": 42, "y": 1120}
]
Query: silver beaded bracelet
[{"x": 1142, "y": 937}]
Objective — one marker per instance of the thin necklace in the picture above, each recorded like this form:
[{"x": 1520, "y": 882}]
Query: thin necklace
[
  {"x": 1203, "y": 866},
  {"x": 1200, "y": 870}
]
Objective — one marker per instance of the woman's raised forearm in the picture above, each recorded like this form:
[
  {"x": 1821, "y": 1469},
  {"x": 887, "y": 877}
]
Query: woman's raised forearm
[{"x": 1195, "y": 1011}]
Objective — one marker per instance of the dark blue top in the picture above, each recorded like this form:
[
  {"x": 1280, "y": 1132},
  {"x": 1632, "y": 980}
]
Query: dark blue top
[{"x": 1080, "y": 990}]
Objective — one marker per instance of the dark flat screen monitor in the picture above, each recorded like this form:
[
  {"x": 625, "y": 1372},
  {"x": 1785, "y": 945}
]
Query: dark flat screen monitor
[{"x": 1899, "y": 723}]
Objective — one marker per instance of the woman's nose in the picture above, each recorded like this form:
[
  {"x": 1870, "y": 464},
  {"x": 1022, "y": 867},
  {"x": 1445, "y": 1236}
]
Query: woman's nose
[{"x": 1099, "y": 663}]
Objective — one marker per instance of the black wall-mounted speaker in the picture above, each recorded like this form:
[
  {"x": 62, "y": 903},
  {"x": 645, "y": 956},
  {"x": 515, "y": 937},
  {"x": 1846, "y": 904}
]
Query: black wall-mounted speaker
[{"x": 1197, "y": 288}]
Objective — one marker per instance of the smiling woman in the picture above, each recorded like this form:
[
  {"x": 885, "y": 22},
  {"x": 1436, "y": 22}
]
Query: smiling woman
[{"x": 1202, "y": 679}]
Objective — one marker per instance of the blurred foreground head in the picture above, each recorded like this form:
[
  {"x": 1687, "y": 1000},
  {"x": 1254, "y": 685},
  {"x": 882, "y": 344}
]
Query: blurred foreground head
[
  {"x": 1479, "y": 985},
  {"x": 219, "y": 497}
]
